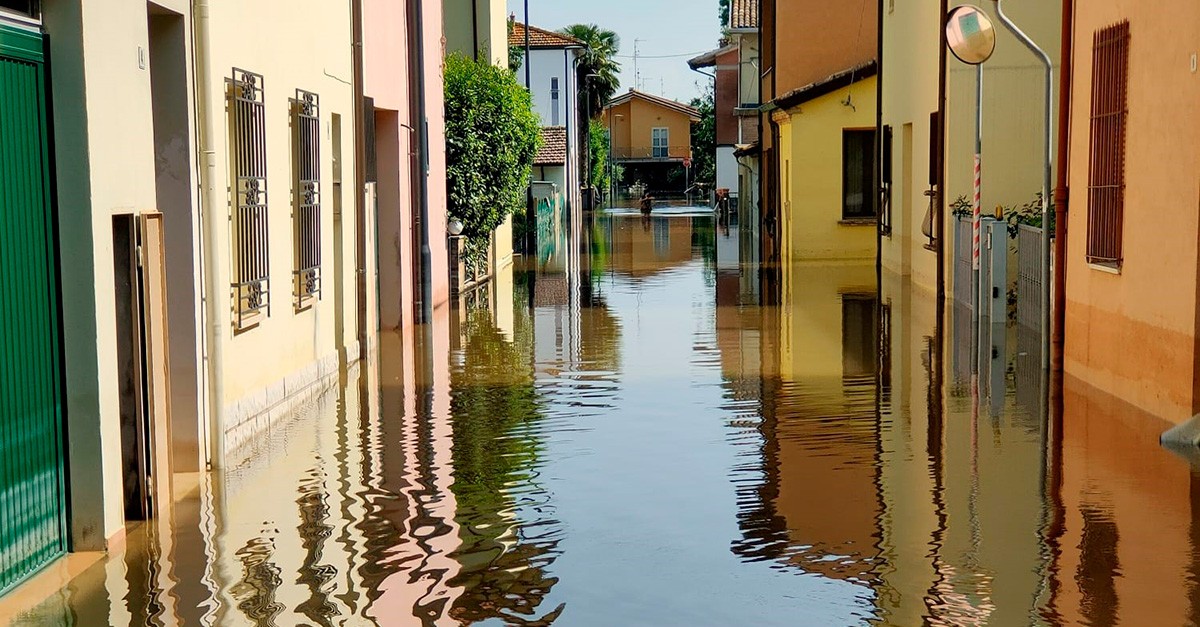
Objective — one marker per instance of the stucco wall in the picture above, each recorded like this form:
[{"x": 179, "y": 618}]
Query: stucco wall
[
  {"x": 308, "y": 51},
  {"x": 387, "y": 71},
  {"x": 1133, "y": 333},
  {"x": 910, "y": 91},
  {"x": 634, "y": 130},
  {"x": 817, "y": 38},
  {"x": 544, "y": 66},
  {"x": 726, "y": 97},
  {"x": 811, "y": 181},
  {"x": 105, "y": 166},
  {"x": 1013, "y": 110},
  {"x": 477, "y": 27},
  {"x": 748, "y": 60}
]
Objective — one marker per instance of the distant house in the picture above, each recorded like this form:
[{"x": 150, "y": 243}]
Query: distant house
[
  {"x": 553, "y": 83},
  {"x": 651, "y": 136},
  {"x": 550, "y": 166},
  {"x": 736, "y": 99}
]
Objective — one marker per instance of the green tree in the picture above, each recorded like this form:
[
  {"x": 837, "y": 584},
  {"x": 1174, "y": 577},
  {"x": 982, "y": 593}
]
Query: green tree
[
  {"x": 704, "y": 138},
  {"x": 598, "y": 59},
  {"x": 492, "y": 136},
  {"x": 724, "y": 13}
]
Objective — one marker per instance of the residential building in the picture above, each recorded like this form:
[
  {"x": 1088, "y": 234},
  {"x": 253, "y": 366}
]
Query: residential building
[
  {"x": 554, "y": 87},
  {"x": 826, "y": 147},
  {"x": 725, "y": 75},
  {"x": 1132, "y": 312},
  {"x": 650, "y": 135},
  {"x": 550, "y": 166},
  {"x": 234, "y": 158},
  {"x": 295, "y": 310},
  {"x": 822, "y": 121},
  {"x": 923, "y": 175},
  {"x": 400, "y": 180},
  {"x": 479, "y": 29}
]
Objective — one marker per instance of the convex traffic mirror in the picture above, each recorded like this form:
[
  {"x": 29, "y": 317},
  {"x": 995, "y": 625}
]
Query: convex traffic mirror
[{"x": 970, "y": 34}]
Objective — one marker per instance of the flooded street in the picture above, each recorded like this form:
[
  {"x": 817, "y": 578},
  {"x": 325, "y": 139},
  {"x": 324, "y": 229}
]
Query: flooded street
[{"x": 623, "y": 434}]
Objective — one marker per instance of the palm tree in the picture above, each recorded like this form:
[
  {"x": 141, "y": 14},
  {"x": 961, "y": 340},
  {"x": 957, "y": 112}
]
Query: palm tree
[{"x": 599, "y": 71}]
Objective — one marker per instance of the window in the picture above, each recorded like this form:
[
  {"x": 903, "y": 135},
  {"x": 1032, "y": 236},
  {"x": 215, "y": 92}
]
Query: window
[
  {"x": 660, "y": 143},
  {"x": 248, "y": 159},
  {"x": 858, "y": 174},
  {"x": 554, "y": 101},
  {"x": 23, "y": 7},
  {"x": 1106, "y": 172},
  {"x": 306, "y": 198}
]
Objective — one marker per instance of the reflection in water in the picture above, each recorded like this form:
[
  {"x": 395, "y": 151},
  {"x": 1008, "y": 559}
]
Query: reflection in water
[{"x": 621, "y": 433}]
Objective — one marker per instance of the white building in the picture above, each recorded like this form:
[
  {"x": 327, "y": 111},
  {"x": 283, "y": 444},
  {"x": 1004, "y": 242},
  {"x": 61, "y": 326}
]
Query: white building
[{"x": 553, "y": 83}]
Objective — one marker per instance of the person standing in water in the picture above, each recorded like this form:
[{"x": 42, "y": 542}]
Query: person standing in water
[{"x": 647, "y": 203}]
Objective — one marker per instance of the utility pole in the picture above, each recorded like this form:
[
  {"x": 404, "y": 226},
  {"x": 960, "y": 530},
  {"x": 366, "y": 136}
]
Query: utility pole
[{"x": 530, "y": 212}]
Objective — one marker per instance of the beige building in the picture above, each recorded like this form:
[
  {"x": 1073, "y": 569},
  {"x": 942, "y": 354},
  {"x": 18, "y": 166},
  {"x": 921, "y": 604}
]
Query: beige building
[
  {"x": 214, "y": 259},
  {"x": 277, "y": 133}
]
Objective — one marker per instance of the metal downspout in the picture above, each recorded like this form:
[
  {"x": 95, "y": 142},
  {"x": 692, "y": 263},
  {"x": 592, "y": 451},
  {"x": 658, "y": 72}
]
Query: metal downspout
[
  {"x": 213, "y": 228},
  {"x": 423, "y": 179},
  {"x": 360, "y": 180},
  {"x": 1061, "y": 195},
  {"x": 1046, "y": 175}
]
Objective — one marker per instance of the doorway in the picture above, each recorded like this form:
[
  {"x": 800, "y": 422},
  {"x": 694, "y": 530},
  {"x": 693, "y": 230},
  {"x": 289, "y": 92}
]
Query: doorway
[
  {"x": 174, "y": 188},
  {"x": 143, "y": 371}
]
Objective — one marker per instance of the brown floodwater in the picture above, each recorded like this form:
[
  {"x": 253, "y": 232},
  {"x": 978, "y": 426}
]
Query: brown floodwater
[{"x": 622, "y": 433}]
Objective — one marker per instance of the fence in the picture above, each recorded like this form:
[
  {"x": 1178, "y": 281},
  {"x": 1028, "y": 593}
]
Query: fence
[
  {"x": 1029, "y": 276},
  {"x": 963, "y": 274}
]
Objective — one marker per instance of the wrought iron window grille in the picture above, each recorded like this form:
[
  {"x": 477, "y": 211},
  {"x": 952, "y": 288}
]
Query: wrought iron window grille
[
  {"x": 251, "y": 285},
  {"x": 306, "y": 198}
]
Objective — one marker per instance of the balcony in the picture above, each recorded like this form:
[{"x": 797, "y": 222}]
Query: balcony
[{"x": 664, "y": 154}]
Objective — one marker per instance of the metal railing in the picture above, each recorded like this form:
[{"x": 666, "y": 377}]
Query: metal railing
[{"x": 651, "y": 153}]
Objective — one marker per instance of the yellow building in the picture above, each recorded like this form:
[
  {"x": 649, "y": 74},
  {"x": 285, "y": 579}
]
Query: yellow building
[
  {"x": 648, "y": 128},
  {"x": 826, "y": 161}
]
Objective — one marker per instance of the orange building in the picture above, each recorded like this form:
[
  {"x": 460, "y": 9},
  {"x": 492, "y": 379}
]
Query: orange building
[
  {"x": 1132, "y": 316},
  {"x": 647, "y": 128}
]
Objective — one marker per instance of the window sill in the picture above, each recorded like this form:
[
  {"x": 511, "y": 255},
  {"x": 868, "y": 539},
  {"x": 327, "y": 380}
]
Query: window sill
[
  {"x": 1107, "y": 268},
  {"x": 858, "y": 222}
]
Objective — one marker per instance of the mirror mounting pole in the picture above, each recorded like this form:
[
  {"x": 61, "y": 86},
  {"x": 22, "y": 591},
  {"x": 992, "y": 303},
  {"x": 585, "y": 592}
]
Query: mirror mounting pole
[{"x": 1046, "y": 179}]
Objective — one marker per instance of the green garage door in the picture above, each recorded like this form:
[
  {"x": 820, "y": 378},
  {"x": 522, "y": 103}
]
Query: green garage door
[{"x": 31, "y": 453}]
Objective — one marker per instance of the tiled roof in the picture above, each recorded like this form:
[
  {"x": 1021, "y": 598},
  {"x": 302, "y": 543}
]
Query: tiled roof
[
  {"x": 709, "y": 59},
  {"x": 540, "y": 38},
  {"x": 554, "y": 146},
  {"x": 687, "y": 110},
  {"x": 743, "y": 14}
]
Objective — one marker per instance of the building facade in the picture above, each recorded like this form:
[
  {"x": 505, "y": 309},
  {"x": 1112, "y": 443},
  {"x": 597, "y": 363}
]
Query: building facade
[
  {"x": 826, "y": 159},
  {"x": 479, "y": 29},
  {"x": 554, "y": 88},
  {"x": 194, "y": 179},
  {"x": 402, "y": 97},
  {"x": 650, "y": 136},
  {"x": 1131, "y": 290},
  {"x": 839, "y": 37}
]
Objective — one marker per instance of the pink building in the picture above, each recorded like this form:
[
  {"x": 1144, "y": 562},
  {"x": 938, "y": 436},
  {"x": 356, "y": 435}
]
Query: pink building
[{"x": 392, "y": 84}]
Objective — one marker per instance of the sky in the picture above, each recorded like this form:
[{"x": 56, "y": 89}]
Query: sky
[{"x": 680, "y": 28}]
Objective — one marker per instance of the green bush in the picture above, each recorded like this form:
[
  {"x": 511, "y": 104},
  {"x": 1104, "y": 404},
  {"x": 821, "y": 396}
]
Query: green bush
[{"x": 492, "y": 136}]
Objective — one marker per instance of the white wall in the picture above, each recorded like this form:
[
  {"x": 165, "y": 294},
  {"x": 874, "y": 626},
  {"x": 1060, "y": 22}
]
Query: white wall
[
  {"x": 727, "y": 170},
  {"x": 545, "y": 65}
]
